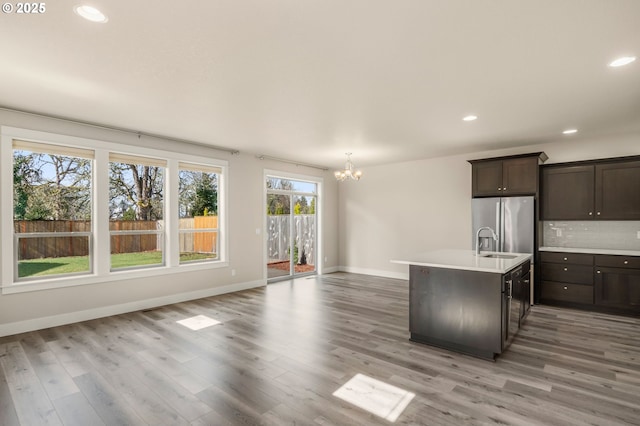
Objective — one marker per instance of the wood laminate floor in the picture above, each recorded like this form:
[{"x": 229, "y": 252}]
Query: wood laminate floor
[{"x": 281, "y": 352}]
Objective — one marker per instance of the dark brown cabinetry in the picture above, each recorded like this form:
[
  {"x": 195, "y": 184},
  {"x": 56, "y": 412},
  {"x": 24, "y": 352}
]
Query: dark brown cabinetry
[
  {"x": 617, "y": 282},
  {"x": 609, "y": 283},
  {"x": 506, "y": 176},
  {"x": 524, "y": 290},
  {"x": 617, "y": 190},
  {"x": 566, "y": 277},
  {"x": 567, "y": 192},
  {"x": 484, "y": 310},
  {"x": 605, "y": 190}
]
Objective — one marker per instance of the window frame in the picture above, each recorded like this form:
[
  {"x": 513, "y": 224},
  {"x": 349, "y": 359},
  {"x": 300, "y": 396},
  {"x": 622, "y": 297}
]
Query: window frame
[
  {"x": 161, "y": 234},
  {"x": 60, "y": 150},
  {"x": 100, "y": 244},
  {"x": 199, "y": 167}
]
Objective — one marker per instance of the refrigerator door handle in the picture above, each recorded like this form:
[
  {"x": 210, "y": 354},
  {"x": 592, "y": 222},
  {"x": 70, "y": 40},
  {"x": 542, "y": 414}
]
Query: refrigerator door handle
[
  {"x": 498, "y": 244},
  {"x": 500, "y": 224}
]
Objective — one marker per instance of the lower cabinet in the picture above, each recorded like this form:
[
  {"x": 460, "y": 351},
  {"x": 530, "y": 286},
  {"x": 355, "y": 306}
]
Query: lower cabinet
[
  {"x": 566, "y": 292},
  {"x": 473, "y": 312},
  {"x": 567, "y": 278},
  {"x": 609, "y": 283},
  {"x": 524, "y": 289},
  {"x": 618, "y": 287}
]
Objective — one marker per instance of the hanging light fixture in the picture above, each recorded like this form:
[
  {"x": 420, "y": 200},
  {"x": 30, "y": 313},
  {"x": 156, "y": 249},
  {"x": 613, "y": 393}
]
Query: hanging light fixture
[{"x": 349, "y": 171}]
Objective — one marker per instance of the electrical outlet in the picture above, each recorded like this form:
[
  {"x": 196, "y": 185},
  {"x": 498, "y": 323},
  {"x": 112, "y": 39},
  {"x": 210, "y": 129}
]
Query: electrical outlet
[
  {"x": 639, "y": 235},
  {"x": 233, "y": 272}
]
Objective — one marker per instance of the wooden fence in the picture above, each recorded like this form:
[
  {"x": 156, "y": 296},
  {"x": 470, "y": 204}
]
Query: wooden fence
[
  {"x": 43, "y": 247},
  {"x": 35, "y": 248},
  {"x": 199, "y": 242},
  {"x": 135, "y": 243}
]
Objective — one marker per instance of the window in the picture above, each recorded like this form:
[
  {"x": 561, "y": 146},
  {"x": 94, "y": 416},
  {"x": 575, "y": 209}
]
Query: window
[
  {"x": 84, "y": 211},
  {"x": 198, "y": 211},
  {"x": 136, "y": 211},
  {"x": 52, "y": 200}
]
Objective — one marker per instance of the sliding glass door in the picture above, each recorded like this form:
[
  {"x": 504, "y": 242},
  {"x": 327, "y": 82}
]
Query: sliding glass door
[{"x": 291, "y": 227}]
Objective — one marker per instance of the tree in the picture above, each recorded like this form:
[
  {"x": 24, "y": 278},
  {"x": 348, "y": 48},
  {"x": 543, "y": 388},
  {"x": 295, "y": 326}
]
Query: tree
[
  {"x": 198, "y": 193},
  {"x": 23, "y": 176},
  {"x": 51, "y": 187},
  {"x": 278, "y": 203},
  {"x": 70, "y": 186},
  {"x": 136, "y": 186},
  {"x": 206, "y": 195}
]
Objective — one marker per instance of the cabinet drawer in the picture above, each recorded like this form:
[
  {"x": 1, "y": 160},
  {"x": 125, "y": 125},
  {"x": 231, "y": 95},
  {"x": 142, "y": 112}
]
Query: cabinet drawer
[
  {"x": 618, "y": 261},
  {"x": 558, "y": 257},
  {"x": 564, "y": 292},
  {"x": 577, "y": 274}
]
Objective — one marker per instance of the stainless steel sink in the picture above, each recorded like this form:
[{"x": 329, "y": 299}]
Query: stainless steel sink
[{"x": 499, "y": 256}]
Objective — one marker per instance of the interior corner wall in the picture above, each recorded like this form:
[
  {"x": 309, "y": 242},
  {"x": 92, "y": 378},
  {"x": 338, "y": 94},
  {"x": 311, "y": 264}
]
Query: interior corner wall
[
  {"x": 397, "y": 210},
  {"x": 39, "y": 309}
]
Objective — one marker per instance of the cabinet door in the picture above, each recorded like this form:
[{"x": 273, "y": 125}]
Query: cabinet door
[
  {"x": 617, "y": 191},
  {"x": 618, "y": 288},
  {"x": 487, "y": 179},
  {"x": 520, "y": 176},
  {"x": 567, "y": 193},
  {"x": 525, "y": 296}
]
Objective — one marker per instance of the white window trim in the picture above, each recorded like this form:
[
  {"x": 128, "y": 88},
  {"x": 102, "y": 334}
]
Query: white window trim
[
  {"x": 319, "y": 181},
  {"x": 100, "y": 215}
]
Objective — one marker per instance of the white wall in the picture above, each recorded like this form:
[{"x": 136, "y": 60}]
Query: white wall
[
  {"x": 38, "y": 309},
  {"x": 399, "y": 209}
]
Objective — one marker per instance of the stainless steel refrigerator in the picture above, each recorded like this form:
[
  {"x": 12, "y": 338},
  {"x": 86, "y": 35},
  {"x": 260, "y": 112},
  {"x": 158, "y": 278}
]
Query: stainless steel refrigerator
[{"x": 512, "y": 219}]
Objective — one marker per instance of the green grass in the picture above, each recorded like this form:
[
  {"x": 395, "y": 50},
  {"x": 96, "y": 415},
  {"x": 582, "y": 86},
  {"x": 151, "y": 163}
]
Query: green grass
[
  {"x": 127, "y": 260},
  {"x": 79, "y": 264},
  {"x": 53, "y": 266}
]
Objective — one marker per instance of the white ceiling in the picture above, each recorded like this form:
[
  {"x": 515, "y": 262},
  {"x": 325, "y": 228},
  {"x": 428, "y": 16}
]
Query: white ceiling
[{"x": 309, "y": 80}]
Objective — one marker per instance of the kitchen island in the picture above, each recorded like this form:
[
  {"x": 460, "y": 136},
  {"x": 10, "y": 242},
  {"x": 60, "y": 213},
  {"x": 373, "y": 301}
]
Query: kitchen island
[{"x": 465, "y": 302}]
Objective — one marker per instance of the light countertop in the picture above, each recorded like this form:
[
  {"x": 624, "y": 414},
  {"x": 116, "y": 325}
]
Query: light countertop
[
  {"x": 465, "y": 260},
  {"x": 591, "y": 251}
]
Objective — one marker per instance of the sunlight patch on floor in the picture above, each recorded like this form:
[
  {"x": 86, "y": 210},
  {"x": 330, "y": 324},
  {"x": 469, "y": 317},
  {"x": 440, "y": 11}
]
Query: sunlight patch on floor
[
  {"x": 379, "y": 398},
  {"x": 198, "y": 322}
]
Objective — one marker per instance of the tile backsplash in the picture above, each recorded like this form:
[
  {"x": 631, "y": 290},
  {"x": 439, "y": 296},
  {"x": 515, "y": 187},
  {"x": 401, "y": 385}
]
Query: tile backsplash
[{"x": 612, "y": 235}]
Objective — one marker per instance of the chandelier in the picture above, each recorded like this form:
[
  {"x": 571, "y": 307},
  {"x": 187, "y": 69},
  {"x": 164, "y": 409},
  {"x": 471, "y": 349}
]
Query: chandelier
[{"x": 349, "y": 171}]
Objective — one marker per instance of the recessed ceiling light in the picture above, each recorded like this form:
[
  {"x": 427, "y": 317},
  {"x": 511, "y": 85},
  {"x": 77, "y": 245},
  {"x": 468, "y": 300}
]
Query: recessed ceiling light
[
  {"x": 570, "y": 131},
  {"x": 620, "y": 62},
  {"x": 470, "y": 118},
  {"x": 90, "y": 13}
]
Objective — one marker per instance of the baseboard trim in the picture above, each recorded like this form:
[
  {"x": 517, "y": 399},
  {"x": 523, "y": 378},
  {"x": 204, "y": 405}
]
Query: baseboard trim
[
  {"x": 374, "y": 272},
  {"x": 105, "y": 311},
  {"x": 330, "y": 270}
]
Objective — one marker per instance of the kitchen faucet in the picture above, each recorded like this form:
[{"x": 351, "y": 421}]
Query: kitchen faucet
[{"x": 484, "y": 228}]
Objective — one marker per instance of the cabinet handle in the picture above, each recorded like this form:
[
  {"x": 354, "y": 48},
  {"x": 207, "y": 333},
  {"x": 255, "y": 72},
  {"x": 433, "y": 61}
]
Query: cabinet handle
[
  {"x": 499, "y": 189},
  {"x": 598, "y": 213},
  {"x": 590, "y": 213},
  {"x": 504, "y": 189},
  {"x": 565, "y": 259},
  {"x": 565, "y": 287},
  {"x": 566, "y": 269},
  {"x": 626, "y": 262},
  {"x": 597, "y": 272}
]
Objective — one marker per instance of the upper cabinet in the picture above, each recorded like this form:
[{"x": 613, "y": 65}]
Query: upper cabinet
[
  {"x": 567, "y": 192},
  {"x": 605, "y": 190},
  {"x": 497, "y": 177},
  {"x": 617, "y": 189}
]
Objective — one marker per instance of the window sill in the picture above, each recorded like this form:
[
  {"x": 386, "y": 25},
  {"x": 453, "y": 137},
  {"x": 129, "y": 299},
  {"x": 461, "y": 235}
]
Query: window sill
[{"x": 72, "y": 281}]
